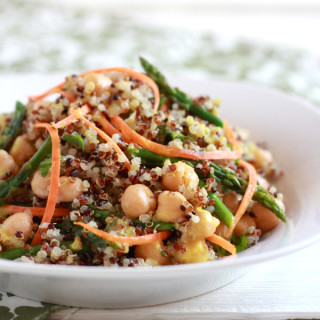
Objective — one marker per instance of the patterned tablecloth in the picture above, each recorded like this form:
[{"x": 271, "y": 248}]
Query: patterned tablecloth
[{"x": 40, "y": 38}]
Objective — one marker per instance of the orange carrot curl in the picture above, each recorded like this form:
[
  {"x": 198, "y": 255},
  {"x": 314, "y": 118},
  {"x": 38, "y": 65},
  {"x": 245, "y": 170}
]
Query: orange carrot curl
[
  {"x": 168, "y": 151},
  {"x": 223, "y": 243},
  {"x": 145, "y": 239},
  {"x": 252, "y": 184},
  {"x": 54, "y": 179},
  {"x": 36, "y": 211},
  {"x": 230, "y": 136},
  {"x": 134, "y": 74},
  {"x": 79, "y": 115}
]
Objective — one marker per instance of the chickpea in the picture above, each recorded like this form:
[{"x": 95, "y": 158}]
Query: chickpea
[
  {"x": 264, "y": 218},
  {"x": 137, "y": 199},
  {"x": 153, "y": 252},
  {"x": 40, "y": 185},
  {"x": 196, "y": 251},
  {"x": 169, "y": 206},
  {"x": 100, "y": 81},
  {"x": 7, "y": 164},
  {"x": 183, "y": 175},
  {"x": 230, "y": 199},
  {"x": 69, "y": 187},
  {"x": 243, "y": 225},
  {"x": 22, "y": 150},
  {"x": 18, "y": 222},
  {"x": 204, "y": 228}
]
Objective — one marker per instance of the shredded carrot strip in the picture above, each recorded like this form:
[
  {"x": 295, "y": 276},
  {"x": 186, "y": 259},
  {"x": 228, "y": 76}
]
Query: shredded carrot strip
[
  {"x": 106, "y": 125},
  {"x": 53, "y": 90},
  {"x": 230, "y": 135},
  {"x": 69, "y": 97},
  {"x": 56, "y": 90},
  {"x": 128, "y": 240},
  {"x": 36, "y": 211},
  {"x": 171, "y": 151},
  {"x": 252, "y": 184},
  {"x": 54, "y": 180},
  {"x": 110, "y": 129},
  {"x": 70, "y": 119},
  {"x": 223, "y": 243},
  {"x": 78, "y": 114},
  {"x": 130, "y": 72}
]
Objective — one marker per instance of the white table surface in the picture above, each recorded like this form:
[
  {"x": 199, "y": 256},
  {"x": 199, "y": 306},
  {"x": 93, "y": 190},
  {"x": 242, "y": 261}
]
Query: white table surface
[{"x": 286, "y": 288}]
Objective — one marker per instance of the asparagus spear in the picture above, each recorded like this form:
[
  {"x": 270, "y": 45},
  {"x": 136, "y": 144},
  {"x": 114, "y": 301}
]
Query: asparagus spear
[
  {"x": 101, "y": 215},
  {"x": 7, "y": 186},
  {"x": 33, "y": 250},
  {"x": 177, "y": 96},
  {"x": 221, "y": 210},
  {"x": 11, "y": 130},
  {"x": 158, "y": 225},
  {"x": 224, "y": 175},
  {"x": 171, "y": 135},
  {"x": 67, "y": 227},
  {"x": 239, "y": 185},
  {"x": 149, "y": 158}
]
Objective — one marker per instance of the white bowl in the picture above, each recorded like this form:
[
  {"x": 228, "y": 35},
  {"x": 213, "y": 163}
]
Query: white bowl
[{"x": 291, "y": 128}]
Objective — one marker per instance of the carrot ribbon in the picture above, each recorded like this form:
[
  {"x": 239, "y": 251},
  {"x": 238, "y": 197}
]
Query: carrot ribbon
[
  {"x": 134, "y": 74},
  {"x": 145, "y": 239},
  {"x": 252, "y": 184},
  {"x": 54, "y": 179},
  {"x": 168, "y": 151}
]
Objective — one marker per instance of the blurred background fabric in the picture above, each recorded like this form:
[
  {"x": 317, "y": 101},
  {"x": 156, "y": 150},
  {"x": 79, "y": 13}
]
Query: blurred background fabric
[{"x": 269, "y": 42}]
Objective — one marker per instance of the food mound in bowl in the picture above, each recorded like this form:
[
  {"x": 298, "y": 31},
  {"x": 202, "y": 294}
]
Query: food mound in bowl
[{"x": 117, "y": 168}]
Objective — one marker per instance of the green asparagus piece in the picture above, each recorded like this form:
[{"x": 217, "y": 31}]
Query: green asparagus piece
[
  {"x": 19, "y": 252},
  {"x": 12, "y": 129},
  {"x": 149, "y": 158},
  {"x": 67, "y": 227},
  {"x": 171, "y": 135},
  {"x": 161, "y": 102},
  {"x": 221, "y": 210},
  {"x": 225, "y": 176},
  {"x": 177, "y": 96},
  {"x": 241, "y": 242},
  {"x": 8, "y": 186},
  {"x": 46, "y": 165},
  {"x": 239, "y": 185},
  {"x": 101, "y": 215},
  {"x": 101, "y": 243},
  {"x": 33, "y": 250},
  {"x": 74, "y": 139},
  {"x": 158, "y": 225}
]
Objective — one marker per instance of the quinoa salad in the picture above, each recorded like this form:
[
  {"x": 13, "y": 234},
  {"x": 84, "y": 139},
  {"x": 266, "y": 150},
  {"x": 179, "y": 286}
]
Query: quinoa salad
[{"x": 117, "y": 168}]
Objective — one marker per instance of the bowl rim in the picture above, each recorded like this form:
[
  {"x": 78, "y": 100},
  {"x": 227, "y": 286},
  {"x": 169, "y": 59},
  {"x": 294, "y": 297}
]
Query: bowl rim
[{"x": 174, "y": 271}]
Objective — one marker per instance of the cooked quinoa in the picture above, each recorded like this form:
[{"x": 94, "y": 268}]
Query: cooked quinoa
[{"x": 170, "y": 192}]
